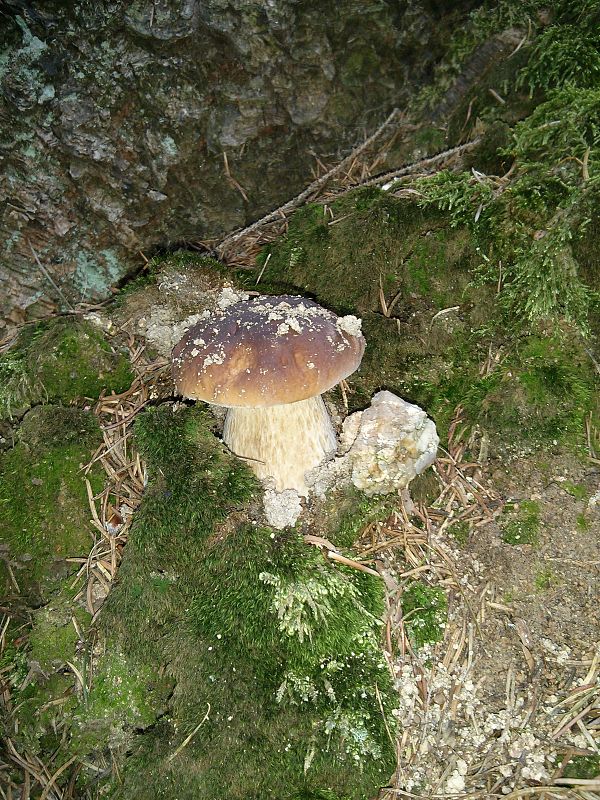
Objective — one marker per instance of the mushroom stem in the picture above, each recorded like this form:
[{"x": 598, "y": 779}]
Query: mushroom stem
[{"x": 282, "y": 442}]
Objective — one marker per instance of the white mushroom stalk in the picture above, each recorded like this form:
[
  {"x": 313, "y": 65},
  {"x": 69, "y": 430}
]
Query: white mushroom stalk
[
  {"x": 281, "y": 443},
  {"x": 268, "y": 360}
]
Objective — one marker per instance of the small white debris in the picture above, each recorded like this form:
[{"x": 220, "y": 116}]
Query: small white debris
[
  {"x": 282, "y": 509},
  {"x": 455, "y": 783},
  {"x": 229, "y": 297},
  {"x": 350, "y": 324},
  {"x": 594, "y": 500}
]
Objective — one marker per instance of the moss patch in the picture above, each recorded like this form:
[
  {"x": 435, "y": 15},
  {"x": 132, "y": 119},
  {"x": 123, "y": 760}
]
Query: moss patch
[
  {"x": 124, "y": 697},
  {"x": 53, "y": 637},
  {"x": 378, "y": 241},
  {"x": 59, "y": 362},
  {"x": 44, "y": 512},
  {"x": 524, "y": 524},
  {"x": 249, "y": 626},
  {"x": 545, "y": 579},
  {"x": 585, "y": 767},
  {"x": 424, "y": 610},
  {"x": 43, "y": 704},
  {"x": 460, "y": 531}
]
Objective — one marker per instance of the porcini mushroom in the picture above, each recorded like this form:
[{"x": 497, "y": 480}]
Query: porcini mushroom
[{"x": 268, "y": 360}]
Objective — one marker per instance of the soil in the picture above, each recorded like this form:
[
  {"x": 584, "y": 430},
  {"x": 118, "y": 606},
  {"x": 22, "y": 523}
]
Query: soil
[{"x": 499, "y": 717}]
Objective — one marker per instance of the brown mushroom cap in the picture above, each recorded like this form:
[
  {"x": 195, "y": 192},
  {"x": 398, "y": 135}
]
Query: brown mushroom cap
[{"x": 266, "y": 351}]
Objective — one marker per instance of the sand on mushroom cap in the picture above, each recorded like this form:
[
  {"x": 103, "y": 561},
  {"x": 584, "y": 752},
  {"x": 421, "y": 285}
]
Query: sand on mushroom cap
[{"x": 268, "y": 360}]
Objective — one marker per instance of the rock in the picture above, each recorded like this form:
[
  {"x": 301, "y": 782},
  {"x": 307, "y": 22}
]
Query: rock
[
  {"x": 381, "y": 449},
  {"x": 130, "y": 126},
  {"x": 396, "y": 441},
  {"x": 282, "y": 509}
]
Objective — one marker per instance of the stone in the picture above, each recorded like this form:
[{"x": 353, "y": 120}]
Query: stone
[
  {"x": 396, "y": 441},
  {"x": 130, "y": 126},
  {"x": 381, "y": 449}
]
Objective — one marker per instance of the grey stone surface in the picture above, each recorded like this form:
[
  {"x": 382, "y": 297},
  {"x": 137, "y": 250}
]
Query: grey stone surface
[{"x": 116, "y": 117}]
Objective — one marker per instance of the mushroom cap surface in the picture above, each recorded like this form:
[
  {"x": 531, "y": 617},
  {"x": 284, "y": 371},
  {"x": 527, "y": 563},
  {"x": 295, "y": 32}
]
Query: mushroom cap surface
[{"x": 266, "y": 351}]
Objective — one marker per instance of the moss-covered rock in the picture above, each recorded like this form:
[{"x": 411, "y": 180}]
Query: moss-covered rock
[
  {"x": 54, "y": 635},
  {"x": 60, "y": 361},
  {"x": 44, "y": 509}
]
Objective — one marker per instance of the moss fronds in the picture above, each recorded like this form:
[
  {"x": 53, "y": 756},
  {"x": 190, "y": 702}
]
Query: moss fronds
[
  {"x": 568, "y": 51},
  {"x": 461, "y": 195},
  {"x": 302, "y": 605}
]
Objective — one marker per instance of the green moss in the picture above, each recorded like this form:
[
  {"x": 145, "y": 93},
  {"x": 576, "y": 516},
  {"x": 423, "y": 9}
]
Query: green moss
[
  {"x": 53, "y": 636},
  {"x": 42, "y": 706},
  {"x": 429, "y": 139},
  {"x": 59, "y": 362},
  {"x": 425, "y": 488},
  {"x": 280, "y": 647},
  {"x": 460, "y": 532},
  {"x": 541, "y": 391},
  {"x": 177, "y": 261},
  {"x": 481, "y": 25},
  {"x": 458, "y": 194},
  {"x": 545, "y": 579},
  {"x": 425, "y": 611},
  {"x": 564, "y": 54},
  {"x": 545, "y": 391},
  {"x": 524, "y": 525},
  {"x": 378, "y": 241},
  {"x": 576, "y": 490},
  {"x": 44, "y": 511},
  {"x": 14, "y": 664},
  {"x": 582, "y": 522},
  {"x": 583, "y": 767},
  {"x": 348, "y": 512}
]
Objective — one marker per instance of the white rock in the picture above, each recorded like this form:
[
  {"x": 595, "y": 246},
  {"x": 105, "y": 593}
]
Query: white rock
[
  {"x": 396, "y": 441},
  {"x": 282, "y": 509},
  {"x": 350, "y": 428}
]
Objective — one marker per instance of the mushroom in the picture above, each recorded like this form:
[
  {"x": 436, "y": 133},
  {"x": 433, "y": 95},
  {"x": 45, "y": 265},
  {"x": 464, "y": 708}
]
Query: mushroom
[{"x": 268, "y": 360}]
